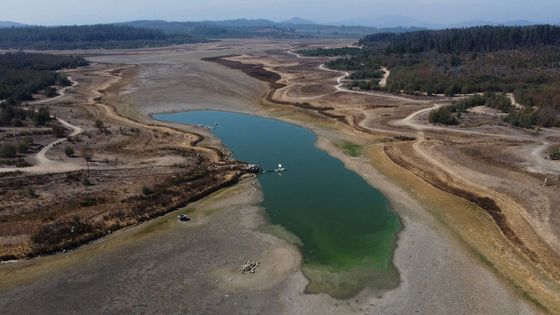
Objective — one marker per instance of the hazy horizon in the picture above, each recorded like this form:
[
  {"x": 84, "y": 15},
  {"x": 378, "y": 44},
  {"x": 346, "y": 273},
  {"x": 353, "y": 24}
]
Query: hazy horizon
[{"x": 53, "y": 12}]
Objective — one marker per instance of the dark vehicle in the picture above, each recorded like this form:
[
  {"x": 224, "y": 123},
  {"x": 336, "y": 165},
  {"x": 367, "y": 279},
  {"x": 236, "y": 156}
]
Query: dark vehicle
[{"x": 183, "y": 217}]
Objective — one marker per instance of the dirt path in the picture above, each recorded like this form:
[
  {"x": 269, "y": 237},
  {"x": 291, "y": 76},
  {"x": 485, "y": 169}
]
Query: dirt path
[
  {"x": 386, "y": 74},
  {"x": 513, "y": 101},
  {"x": 516, "y": 211},
  {"x": 45, "y": 165},
  {"x": 544, "y": 165},
  {"x": 294, "y": 53},
  {"x": 340, "y": 88},
  {"x": 190, "y": 139},
  {"x": 61, "y": 95},
  {"x": 536, "y": 156}
]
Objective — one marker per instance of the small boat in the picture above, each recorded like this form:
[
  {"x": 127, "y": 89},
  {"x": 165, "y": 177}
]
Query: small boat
[{"x": 280, "y": 169}]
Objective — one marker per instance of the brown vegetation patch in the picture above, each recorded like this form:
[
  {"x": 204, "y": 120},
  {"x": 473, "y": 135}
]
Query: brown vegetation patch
[
  {"x": 54, "y": 224},
  {"x": 256, "y": 71}
]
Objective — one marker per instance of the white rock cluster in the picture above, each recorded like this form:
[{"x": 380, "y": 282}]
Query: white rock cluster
[{"x": 249, "y": 267}]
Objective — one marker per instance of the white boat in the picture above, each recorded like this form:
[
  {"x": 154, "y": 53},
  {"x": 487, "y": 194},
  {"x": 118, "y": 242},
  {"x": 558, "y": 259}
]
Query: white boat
[{"x": 280, "y": 169}]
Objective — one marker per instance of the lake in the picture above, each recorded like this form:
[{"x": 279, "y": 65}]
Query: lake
[{"x": 344, "y": 227}]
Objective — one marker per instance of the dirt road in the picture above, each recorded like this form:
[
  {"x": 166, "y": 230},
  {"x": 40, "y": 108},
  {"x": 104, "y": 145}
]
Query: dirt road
[
  {"x": 62, "y": 93},
  {"x": 537, "y": 150},
  {"x": 340, "y": 88},
  {"x": 43, "y": 164}
]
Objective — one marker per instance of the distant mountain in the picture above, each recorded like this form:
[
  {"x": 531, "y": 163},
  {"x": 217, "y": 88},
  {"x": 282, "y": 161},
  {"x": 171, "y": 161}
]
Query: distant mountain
[
  {"x": 406, "y": 21},
  {"x": 5, "y": 24},
  {"x": 484, "y": 22},
  {"x": 388, "y": 22},
  {"x": 471, "y": 23},
  {"x": 243, "y": 28},
  {"x": 298, "y": 21},
  {"x": 214, "y": 29},
  {"x": 520, "y": 23},
  {"x": 242, "y": 23}
]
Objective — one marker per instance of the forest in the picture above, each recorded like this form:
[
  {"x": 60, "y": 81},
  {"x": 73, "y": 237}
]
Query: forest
[
  {"x": 86, "y": 37},
  {"x": 479, "y": 39},
  {"x": 156, "y": 33},
  {"x": 524, "y": 61},
  {"x": 23, "y": 74}
]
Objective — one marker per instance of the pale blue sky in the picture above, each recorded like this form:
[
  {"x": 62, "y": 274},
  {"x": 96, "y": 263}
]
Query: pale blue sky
[{"x": 53, "y": 12}]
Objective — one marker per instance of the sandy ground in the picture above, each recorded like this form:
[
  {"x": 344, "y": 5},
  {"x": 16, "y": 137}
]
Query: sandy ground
[{"x": 165, "y": 266}]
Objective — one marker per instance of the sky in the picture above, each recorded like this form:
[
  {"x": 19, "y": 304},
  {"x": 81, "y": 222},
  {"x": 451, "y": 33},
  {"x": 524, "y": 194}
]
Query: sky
[{"x": 57, "y": 12}]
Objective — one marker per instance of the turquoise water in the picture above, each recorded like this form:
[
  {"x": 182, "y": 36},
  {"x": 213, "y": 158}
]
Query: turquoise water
[{"x": 344, "y": 227}]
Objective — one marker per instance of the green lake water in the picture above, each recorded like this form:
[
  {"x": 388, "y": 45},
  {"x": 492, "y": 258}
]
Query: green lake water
[{"x": 343, "y": 226}]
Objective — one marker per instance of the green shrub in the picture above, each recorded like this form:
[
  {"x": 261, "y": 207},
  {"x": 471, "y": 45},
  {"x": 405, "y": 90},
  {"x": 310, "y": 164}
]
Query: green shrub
[
  {"x": 41, "y": 117},
  {"x": 8, "y": 150},
  {"x": 555, "y": 154},
  {"x": 58, "y": 131},
  {"x": 146, "y": 191},
  {"x": 366, "y": 74},
  {"x": 64, "y": 81},
  {"x": 524, "y": 118},
  {"x": 69, "y": 151},
  {"x": 99, "y": 124},
  {"x": 497, "y": 101},
  {"x": 23, "y": 146},
  {"x": 86, "y": 181},
  {"x": 442, "y": 116},
  {"x": 50, "y": 92},
  {"x": 352, "y": 149},
  {"x": 89, "y": 202}
]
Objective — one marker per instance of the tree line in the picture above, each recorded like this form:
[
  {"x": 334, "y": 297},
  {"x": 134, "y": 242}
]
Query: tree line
[
  {"x": 23, "y": 74},
  {"x": 330, "y": 52},
  {"x": 86, "y": 37},
  {"x": 480, "y": 39}
]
